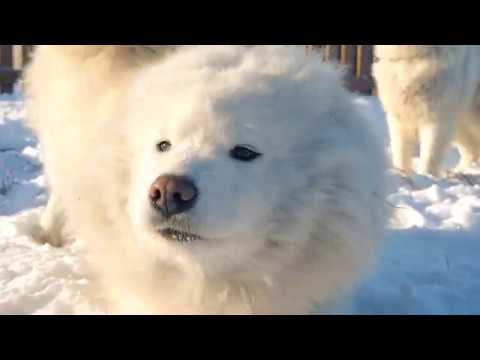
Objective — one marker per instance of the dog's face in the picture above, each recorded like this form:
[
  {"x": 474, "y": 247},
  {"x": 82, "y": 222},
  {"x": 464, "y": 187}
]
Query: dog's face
[{"x": 223, "y": 173}]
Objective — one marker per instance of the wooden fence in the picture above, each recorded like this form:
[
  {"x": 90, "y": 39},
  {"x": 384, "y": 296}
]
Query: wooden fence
[
  {"x": 358, "y": 60},
  {"x": 12, "y": 60}
]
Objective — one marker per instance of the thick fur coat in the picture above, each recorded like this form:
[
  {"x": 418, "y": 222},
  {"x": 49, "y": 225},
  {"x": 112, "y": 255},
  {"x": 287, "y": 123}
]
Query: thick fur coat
[{"x": 293, "y": 228}]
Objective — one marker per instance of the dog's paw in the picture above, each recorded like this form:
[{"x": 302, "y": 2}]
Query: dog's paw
[
  {"x": 28, "y": 225},
  {"x": 53, "y": 239},
  {"x": 403, "y": 178}
]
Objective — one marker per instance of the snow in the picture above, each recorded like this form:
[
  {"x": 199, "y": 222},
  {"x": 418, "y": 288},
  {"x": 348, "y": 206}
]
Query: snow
[{"x": 428, "y": 265}]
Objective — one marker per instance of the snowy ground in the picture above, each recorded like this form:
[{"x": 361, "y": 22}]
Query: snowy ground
[{"x": 429, "y": 265}]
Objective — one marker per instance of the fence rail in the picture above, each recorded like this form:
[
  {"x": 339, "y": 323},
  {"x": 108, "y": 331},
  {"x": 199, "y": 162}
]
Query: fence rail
[{"x": 358, "y": 60}]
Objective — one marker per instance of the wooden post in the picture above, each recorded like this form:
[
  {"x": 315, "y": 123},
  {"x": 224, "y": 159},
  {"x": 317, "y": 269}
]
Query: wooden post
[
  {"x": 17, "y": 55},
  {"x": 27, "y": 53},
  {"x": 358, "y": 68},
  {"x": 367, "y": 64},
  {"x": 326, "y": 53},
  {"x": 6, "y": 55},
  {"x": 6, "y": 62},
  {"x": 343, "y": 54}
]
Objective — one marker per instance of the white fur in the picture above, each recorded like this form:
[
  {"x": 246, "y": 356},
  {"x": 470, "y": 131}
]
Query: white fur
[
  {"x": 294, "y": 228},
  {"x": 431, "y": 95}
]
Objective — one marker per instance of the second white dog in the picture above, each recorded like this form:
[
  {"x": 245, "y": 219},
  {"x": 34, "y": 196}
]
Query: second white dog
[{"x": 431, "y": 95}]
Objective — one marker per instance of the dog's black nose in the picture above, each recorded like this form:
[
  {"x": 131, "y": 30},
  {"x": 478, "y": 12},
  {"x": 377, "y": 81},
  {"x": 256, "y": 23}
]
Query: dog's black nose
[{"x": 173, "y": 195}]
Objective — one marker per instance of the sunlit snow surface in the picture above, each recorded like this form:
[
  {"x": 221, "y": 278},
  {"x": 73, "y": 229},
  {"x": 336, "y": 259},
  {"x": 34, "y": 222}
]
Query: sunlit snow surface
[{"x": 429, "y": 264}]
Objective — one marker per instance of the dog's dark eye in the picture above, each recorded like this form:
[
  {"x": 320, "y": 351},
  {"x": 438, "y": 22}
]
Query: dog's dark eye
[
  {"x": 244, "y": 153},
  {"x": 164, "y": 146}
]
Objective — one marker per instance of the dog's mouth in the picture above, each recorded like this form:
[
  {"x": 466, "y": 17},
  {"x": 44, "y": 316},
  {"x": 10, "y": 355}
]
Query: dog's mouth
[{"x": 180, "y": 236}]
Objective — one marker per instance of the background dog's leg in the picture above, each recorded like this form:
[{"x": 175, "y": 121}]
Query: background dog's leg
[
  {"x": 53, "y": 223},
  {"x": 468, "y": 142},
  {"x": 435, "y": 140},
  {"x": 403, "y": 139}
]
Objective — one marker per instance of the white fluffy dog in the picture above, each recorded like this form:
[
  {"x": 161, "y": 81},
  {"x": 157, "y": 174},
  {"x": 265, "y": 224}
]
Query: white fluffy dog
[
  {"x": 217, "y": 180},
  {"x": 431, "y": 94}
]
